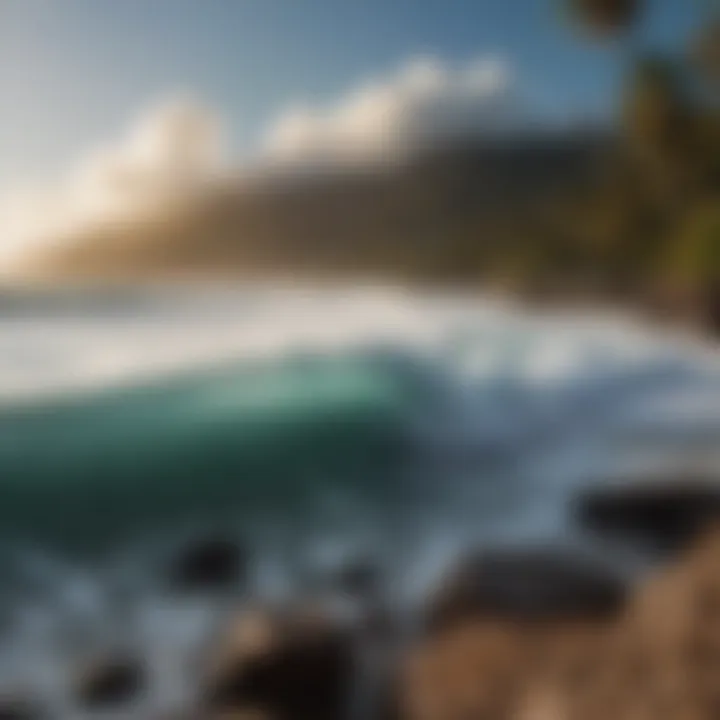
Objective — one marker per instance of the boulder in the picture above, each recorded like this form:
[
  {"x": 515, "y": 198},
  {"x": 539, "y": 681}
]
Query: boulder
[
  {"x": 663, "y": 515},
  {"x": 110, "y": 683},
  {"x": 712, "y": 309},
  {"x": 20, "y": 708},
  {"x": 359, "y": 578},
  {"x": 286, "y": 666},
  {"x": 208, "y": 564},
  {"x": 533, "y": 584},
  {"x": 477, "y": 670},
  {"x": 658, "y": 658}
]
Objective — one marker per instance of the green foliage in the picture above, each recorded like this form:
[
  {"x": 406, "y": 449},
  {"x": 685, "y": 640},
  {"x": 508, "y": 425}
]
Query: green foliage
[
  {"x": 695, "y": 255},
  {"x": 655, "y": 220},
  {"x": 705, "y": 52}
]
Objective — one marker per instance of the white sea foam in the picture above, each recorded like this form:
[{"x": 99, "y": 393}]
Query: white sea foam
[{"x": 66, "y": 340}]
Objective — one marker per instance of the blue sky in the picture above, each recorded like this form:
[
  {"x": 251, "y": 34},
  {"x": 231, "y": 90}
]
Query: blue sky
[{"x": 75, "y": 72}]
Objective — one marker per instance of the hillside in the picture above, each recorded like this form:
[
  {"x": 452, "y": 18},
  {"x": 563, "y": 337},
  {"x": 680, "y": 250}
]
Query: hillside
[{"x": 452, "y": 213}]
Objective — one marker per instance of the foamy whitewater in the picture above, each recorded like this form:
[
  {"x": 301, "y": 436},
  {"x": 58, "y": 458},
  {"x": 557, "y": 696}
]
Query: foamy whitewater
[{"x": 314, "y": 424}]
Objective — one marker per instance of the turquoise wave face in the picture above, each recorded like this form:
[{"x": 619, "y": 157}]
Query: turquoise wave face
[{"x": 236, "y": 440}]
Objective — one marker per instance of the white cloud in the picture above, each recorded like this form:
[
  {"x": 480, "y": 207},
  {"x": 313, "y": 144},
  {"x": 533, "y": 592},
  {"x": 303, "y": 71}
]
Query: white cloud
[
  {"x": 173, "y": 149},
  {"x": 424, "y": 101}
]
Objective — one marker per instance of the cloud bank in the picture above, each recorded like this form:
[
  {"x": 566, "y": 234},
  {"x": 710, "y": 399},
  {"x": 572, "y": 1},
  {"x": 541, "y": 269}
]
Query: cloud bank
[
  {"x": 176, "y": 149},
  {"x": 172, "y": 151},
  {"x": 425, "y": 101}
]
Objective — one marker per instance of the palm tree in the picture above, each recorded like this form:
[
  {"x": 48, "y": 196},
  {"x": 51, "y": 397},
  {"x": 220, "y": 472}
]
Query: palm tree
[
  {"x": 705, "y": 50},
  {"x": 654, "y": 109},
  {"x": 654, "y": 103},
  {"x": 659, "y": 127}
]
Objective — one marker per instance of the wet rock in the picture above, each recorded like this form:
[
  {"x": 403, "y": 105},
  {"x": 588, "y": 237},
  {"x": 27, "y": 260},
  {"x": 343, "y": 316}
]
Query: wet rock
[
  {"x": 359, "y": 578},
  {"x": 210, "y": 563},
  {"x": 663, "y": 515},
  {"x": 711, "y": 315},
  {"x": 535, "y": 584},
  {"x": 284, "y": 666},
  {"x": 110, "y": 683},
  {"x": 20, "y": 708}
]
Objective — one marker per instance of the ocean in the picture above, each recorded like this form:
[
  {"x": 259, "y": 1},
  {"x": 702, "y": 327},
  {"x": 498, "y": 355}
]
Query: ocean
[{"x": 315, "y": 424}]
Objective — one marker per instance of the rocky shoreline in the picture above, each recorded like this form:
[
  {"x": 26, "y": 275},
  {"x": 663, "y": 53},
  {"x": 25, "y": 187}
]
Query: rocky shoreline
[
  {"x": 533, "y": 633},
  {"x": 659, "y": 657},
  {"x": 522, "y": 633},
  {"x": 513, "y": 633}
]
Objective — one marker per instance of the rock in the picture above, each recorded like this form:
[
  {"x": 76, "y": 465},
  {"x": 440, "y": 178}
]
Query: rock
[
  {"x": 359, "y": 578},
  {"x": 509, "y": 670},
  {"x": 665, "y": 515},
  {"x": 210, "y": 563},
  {"x": 527, "y": 585},
  {"x": 660, "y": 657},
  {"x": 356, "y": 577},
  {"x": 477, "y": 670},
  {"x": 20, "y": 708},
  {"x": 712, "y": 309},
  {"x": 664, "y": 658},
  {"x": 110, "y": 683},
  {"x": 284, "y": 666}
]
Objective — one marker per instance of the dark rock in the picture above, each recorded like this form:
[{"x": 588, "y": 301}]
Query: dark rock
[
  {"x": 215, "y": 563},
  {"x": 110, "y": 683},
  {"x": 388, "y": 705},
  {"x": 359, "y": 578},
  {"x": 535, "y": 584},
  {"x": 20, "y": 708},
  {"x": 710, "y": 308},
  {"x": 663, "y": 515},
  {"x": 289, "y": 668}
]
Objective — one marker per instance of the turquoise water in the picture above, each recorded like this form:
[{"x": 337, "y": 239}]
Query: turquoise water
[
  {"x": 127, "y": 413},
  {"x": 238, "y": 439}
]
